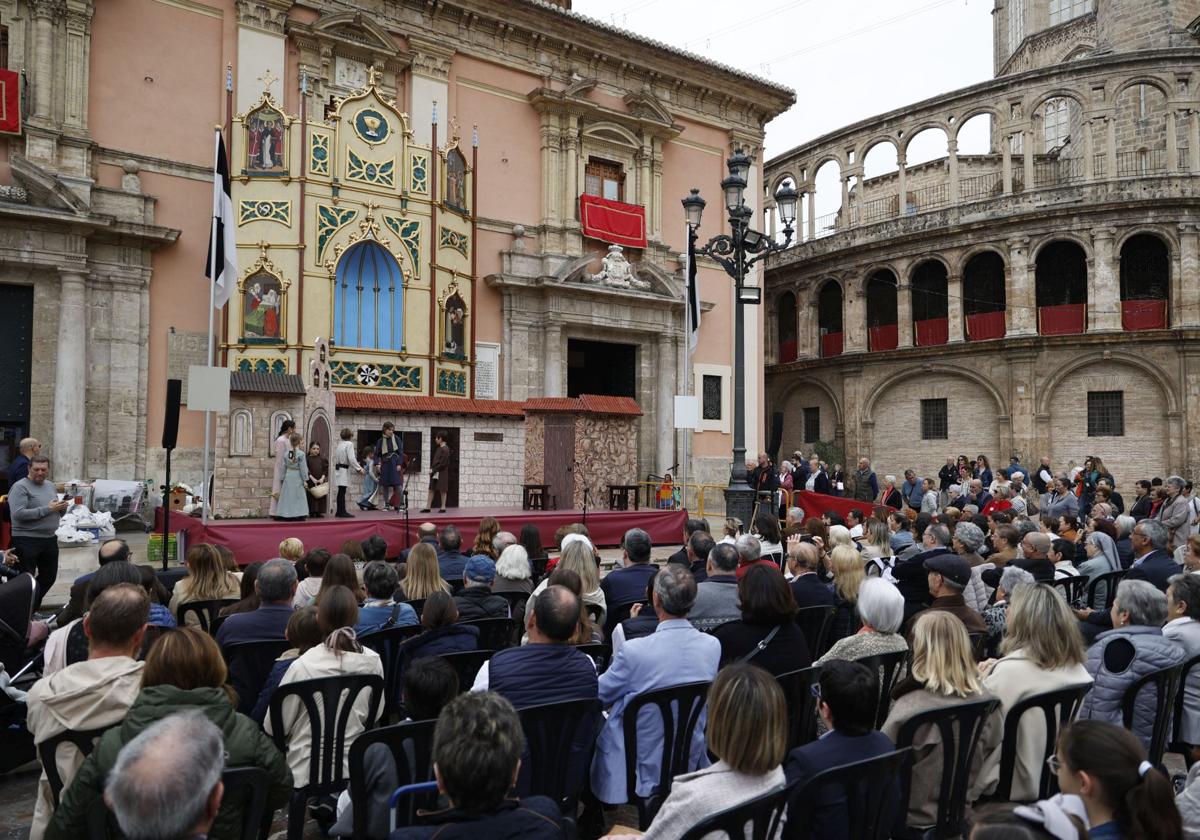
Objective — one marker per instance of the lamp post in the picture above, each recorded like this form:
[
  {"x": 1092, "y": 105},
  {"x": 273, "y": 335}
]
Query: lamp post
[{"x": 736, "y": 252}]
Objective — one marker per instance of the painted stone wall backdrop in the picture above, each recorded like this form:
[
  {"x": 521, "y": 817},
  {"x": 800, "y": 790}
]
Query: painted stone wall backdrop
[
  {"x": 242, "y": 482},
  {"x": 535, "y": 448},
  {"x": 606, "y": 449}
]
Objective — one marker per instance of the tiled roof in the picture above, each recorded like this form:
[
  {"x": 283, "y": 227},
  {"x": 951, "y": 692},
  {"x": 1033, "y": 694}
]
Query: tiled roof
[
  {"x": 246, "y": 382},
  {"x": 364, "y": 401},
  {"x": 584, "y": 404}
]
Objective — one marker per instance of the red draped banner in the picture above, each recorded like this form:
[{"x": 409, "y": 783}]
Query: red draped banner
[
  {"x": 985, "y": 325},
  {"x": 613, "y": 221},
  {"x": 831, "y": 344},
  {"x": 10, "y": 102},
  {"x": 814, "y": 504},
  {"x": 1064, "y": 319},
  {"x": 1144, "y": 314},
  {"x": 932, "y": 331},
  {"x": 884, "y": 337}
]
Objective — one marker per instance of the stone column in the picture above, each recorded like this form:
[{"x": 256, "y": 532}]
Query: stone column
[
  {"x": 1185, "y": 305},
  {"x": 952, "y": 162},
  {"x": 904, "y": 322},
  {"x": 1194, "y": 142},
  {"x": 1089, "y": 154},
  {"x": 554, "y": 366},
  {"x": 665, "y": 404},
  {"x": 1006, "y": 163},
  {"x": 1104, "y": 291},
  {"x": 845, "y": 208},
  {"x": 1027, "y": 157},
  {"x": 570, "y": 145},
  {"x": 812, "y": 212},
  {"x": 954, "y": 307},
  {"x": 1110, "y": 147},
  {"x": 70, "y": 376},
  {"x": 854, "y": 322},
  {"x": 1020, "y": 294},
  {"x": 44, "y": 12},
  {"x": 551, "y": 175},
  {"x": 902, "y": 184},
  {"x": 1172, "y": 144}
]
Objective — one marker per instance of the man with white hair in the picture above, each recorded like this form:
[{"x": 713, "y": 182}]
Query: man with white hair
[
  {"x": 866, "y": 485},
  {"x": 716, "y": 597},
  {"x": 1175, "y": 512},
  {"x": 503, "y": 540},
  {"x": 807, "y": 588},
  {"x": 176, "y": 762}
]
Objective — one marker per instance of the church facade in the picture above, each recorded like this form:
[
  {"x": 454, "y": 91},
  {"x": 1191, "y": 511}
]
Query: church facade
[{"x": 471, "y": 206}]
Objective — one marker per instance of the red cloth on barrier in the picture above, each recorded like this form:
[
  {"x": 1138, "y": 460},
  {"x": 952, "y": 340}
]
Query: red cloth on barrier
[
  {"x": 787, "y": 351},
  {"x": 985, "y": 325},
  {"x": 814, "y": 504},
  {"x": 932, "y": 331},
  {"x": 5, "y": 526},
  {"x": 884, "y": 337},
  {"x": 10, "y": 101},
  {"x": 613, "y": 221},
  {"x": 1064, "y": 319},
  {"x": 831, "y": 344},
  {"x": 1144, "y": 314},
  {"x": 251, "y": 540}
]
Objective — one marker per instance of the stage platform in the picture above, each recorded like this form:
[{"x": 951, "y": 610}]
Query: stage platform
[{"x": 258, "y": 539}]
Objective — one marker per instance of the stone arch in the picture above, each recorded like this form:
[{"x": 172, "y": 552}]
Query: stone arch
[
  {"x": 241, "y": 432},
  {"x": 974, "y": 112},
  {"x": 924, "y": 258},
  {"x": 1162, "y": 232},
  {"x": 913, "y": 131},
  {"x": 612, "y": 133},
  {"x": 836, "y": 157},
  {"x": 1035, "y": 105},
  {"x": 1061, "y": 236},
  {"x": 1107, "y": 358},
  {"x": 1077, "y": 51},
  {"x": 821, "y": 385},
  {"x": 781, "y": 178},
  {"x": 277, "y": 418},
  {"x": 967, "y": 255},
  {"x": 1153, "y": 81},
  {"x": 868, "y": 411},
  {"x": 865, "y": 148}
]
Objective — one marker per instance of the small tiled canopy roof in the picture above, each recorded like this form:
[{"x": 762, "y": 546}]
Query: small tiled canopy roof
[{"x": 246, "y": 382}]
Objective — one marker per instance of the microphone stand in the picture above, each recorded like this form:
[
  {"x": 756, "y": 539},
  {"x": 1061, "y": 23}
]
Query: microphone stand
[{"x": 404, "y": 501}]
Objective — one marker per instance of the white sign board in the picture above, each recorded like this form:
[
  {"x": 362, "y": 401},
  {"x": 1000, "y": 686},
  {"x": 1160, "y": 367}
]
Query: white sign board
[
  {"x": 687, "y": 412},
  {"x": 208, "y": 388},
  {"x": 487, "y": 370}
]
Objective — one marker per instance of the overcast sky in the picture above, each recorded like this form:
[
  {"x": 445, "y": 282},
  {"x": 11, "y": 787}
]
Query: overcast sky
[{"x": 846, "y": 59}]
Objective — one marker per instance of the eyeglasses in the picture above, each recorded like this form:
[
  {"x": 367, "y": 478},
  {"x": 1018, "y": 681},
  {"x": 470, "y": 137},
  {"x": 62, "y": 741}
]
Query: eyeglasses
[
  {"x": 815, "y": 688},
  {"x": 1053, "y": 763}
]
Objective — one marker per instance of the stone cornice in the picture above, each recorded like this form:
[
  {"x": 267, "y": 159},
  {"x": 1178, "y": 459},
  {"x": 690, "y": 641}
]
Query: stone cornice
[
  {"x": 267, "y": 15},
  {"x": 651, "y": 121}
]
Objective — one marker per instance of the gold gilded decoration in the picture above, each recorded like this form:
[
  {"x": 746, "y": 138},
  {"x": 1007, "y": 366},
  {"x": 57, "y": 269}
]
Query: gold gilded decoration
[
  {"x": 376, "y": 173},
  {"x": 260, "y": 364},
  {"x": 419, "y": 174},
  {"x": 408, "y": 231},
  {"x": 266, "y": 130},
  {"x": 451, "y": 382},
  {"x": 329, "y": 221},
  {"x": 371, "y": 126},
  {"x": 318, "y": 153},
  {"x": 453, "y": 239},
  {"x": 265, "y": 211}
]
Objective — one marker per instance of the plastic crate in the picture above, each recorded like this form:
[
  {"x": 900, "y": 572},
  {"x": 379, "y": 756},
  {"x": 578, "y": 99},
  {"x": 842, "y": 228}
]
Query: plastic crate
[{"x": 154, "y": 549}]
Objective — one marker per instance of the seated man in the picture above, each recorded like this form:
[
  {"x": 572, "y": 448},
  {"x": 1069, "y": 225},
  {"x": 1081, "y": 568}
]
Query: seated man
[
  {"x": 476, "y": 600},
  {"x": 749, "y": 550},
  {"x": 627, "y": 583},
  {"x": 427, "y": 532},
  {"x": 803, "y": 558},
  {"x": 503, "y": 540},
  {"x": 641, "y": 622},
  {"x": 698, "y": 548},
  {"x": 276, "y": 588},
  {"x": 380, "y": 610},
  {"x": 674, "y": 654},
  {"x": 948, "y": 575},
  {"x": 716, "y": 598},
  {"x": 451, "y": 561},
  {"x": 109, "y": 551},
  {"x": 476, "y": 757},
  {"x": 95, "y": 693},
  {"x": 178, "y": 760},
  {"x": 691, "y": 526},
  {"x": 849, "y": 694},
  {"x": 911, "y": 574}
]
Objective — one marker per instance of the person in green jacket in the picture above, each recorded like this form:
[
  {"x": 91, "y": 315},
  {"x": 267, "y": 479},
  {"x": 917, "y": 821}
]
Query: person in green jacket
[{"x": 184, "y": 670}]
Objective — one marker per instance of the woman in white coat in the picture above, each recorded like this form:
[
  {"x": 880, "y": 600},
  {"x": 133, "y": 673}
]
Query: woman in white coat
[
  {"x": 1183, "y": 628},
  {"x": 281, "y": 450},
  {"x": 343, "y": 462}
]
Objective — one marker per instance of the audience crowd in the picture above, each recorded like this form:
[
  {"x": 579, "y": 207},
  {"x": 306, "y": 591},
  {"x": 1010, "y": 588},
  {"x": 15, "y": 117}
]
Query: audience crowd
[{"x": 1055, "y": 629}]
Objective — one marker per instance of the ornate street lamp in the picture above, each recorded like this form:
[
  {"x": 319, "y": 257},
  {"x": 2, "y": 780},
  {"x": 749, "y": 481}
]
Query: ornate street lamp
[{"x": 736, "y": 252}]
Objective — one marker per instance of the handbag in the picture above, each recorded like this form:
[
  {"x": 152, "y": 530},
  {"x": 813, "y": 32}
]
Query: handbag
[{"x": 761, "y": 646}]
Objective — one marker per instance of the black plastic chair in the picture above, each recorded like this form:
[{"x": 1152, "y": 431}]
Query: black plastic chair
[
  {"x": 411, "y": 746},
  {"x": 757, "y": 819},
  {"x": 327, "y": 743},
  {"x": 1178, "y": 745},
  {"x": 959, "y": 728},
  {"x": 206, "y": 612},
  {"x": 679, "y": 708},
  {"x": 1109, "y": 580},
  {"x": 494, "y": 633},
  {"x": 601, "y": 653},
  {"x": 1073, "y": 588},
  {"x": 467, "y": 664},
  {"x": 1165, "y": 684},
  {"x": 800, "y": 704},
  {"x": 418, "y": 604},
  {"x": 888, "y": 667},
  {"x": 868, "y": 789},
  {"x": 84, "y": 740},
  {"x": 247, "y": 787},
  {"x": 979, "y": 642},
  {"x": 594, "y": 612},
  {"x": 388, "y": 643},
  {"x": 618, "y": 613},
  {"x": 559, "y": 738},
  {"x": 516, "y": 602},
  {"x": 1058, "y": 708},
  {"x": 814, "y": 624},
  {"x": 249, "y": 665}
]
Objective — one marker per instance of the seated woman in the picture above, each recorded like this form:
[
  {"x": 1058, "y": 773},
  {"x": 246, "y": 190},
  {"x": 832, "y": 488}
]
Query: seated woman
[
  {"x": 302, "y": 632},
  {"x": 250, "y": 600},
  {"x": 578, "y": 556},
  {"x": 422, "y": 576},
  {"x": 766, "y": 528},
  {"x": 1120, "y": 657},
  {"x": 513, "y": 572},
  {"x": 1043, "y": 651},
  {"x": 380, "y": 610},
  {"x": 943, "y": 673},
  {"x": 767, "y": 633},
  {"x": 881, "y": 608},
  {"x": 846, "y": 565},
  {"x": 339, "y": 655},
  {"x": 1183, "y": 628},
  {"x": 340, "y": 571},
  {"x": 207, "y": 580},
  {"x": 747, "y": 733},
  {"x": 184, "y": 670},
  {"x": 442, "y": 634}
]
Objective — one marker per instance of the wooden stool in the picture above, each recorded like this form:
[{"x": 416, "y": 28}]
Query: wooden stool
[
  {"x": 618, "y": 496},
  {"x": 533, "y": 496}
]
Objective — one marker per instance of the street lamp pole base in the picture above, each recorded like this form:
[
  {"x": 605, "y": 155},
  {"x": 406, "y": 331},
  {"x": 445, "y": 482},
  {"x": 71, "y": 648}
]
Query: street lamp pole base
[{"x": 739, "y": 503}]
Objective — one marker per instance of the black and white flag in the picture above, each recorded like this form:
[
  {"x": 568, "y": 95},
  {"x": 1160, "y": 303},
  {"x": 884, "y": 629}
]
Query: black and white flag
[
  {"x": 693, "y": 292},
  {"x": 222, "y": 244}
]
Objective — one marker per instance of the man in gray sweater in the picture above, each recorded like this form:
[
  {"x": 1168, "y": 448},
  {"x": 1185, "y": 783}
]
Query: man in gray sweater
[{"x": 35, "y": 510}]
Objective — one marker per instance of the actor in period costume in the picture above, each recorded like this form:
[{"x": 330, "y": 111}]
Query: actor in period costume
[
  {"x": 391, "y": 465},
  {"x": 370, "y": 478},
  {"x": 318, "y": 473},
  {"x": 281, "y": 450},
  {"x": 343, "y": 462},
  {"x": 439, "y": 474},
  {"x": 293, "y": 492}
]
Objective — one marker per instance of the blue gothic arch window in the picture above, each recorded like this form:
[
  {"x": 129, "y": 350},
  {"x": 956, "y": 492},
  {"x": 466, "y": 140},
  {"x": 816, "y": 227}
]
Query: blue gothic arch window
[{"x": 368, "y": 299}]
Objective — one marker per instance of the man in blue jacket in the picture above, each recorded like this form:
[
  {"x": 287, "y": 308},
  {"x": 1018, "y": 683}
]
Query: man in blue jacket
[{"x": 451, "y": 561}]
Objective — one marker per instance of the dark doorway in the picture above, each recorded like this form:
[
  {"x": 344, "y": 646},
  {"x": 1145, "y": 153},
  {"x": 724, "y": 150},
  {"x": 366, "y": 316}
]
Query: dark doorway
[
  {"x": 603, "y": 368},
  {"x": 452, "y": 441},
  {"x": 16, "y": 348},
  {"x": 410, "y": 445},
  {"x": 1061, "y": 274},
  {"x": 560, "y": 460}
]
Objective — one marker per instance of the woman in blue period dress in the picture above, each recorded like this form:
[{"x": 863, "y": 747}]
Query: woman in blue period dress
[
  {"x": 292, "y": 502},
  {"x": 281, "y": 450}
]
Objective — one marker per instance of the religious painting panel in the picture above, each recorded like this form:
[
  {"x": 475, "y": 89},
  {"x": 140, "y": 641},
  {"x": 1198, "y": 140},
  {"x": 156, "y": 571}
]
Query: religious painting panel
[
  {"x": 262, "y": 308},
  {"x": 456, "y": 181},
  {"x": 266, "y": 142},
  {"x": 454, "y": 324}
]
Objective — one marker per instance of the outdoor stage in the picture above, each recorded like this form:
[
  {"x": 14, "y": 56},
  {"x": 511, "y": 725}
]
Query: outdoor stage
[{"x": 258, "y": 539}]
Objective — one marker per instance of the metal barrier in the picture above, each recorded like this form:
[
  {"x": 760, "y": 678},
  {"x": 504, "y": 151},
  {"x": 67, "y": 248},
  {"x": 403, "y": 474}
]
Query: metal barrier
[{"x": 701, "y": 500}]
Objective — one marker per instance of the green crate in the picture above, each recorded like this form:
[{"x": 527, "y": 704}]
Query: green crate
[{"x": 154, "y": 550}]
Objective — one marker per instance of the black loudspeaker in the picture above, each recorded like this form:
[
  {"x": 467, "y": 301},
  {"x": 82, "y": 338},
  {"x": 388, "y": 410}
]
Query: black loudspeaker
[
  {"x": 776, "y": 435},
  {"x": 171, "y": 414}
]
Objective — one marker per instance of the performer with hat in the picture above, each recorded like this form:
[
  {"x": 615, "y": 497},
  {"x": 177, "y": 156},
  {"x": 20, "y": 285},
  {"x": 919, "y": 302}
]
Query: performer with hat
[{"x": 391, "y": 465}]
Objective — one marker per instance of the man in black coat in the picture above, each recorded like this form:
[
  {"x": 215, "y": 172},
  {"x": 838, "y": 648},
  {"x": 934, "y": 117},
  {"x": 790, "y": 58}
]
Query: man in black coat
[
  {"x": 912, "y": 578},
  {"x": 475, "y": 600},
  {"x": 802, "y": 560}
]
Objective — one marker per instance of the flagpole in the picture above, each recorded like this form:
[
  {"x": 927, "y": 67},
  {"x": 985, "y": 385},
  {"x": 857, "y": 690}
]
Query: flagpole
[
  {"x": 212, "y": 308},
  {"x": 687, "y": 353}
]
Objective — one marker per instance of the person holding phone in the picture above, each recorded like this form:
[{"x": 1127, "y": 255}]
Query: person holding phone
[{"x": 36, "y": 509}]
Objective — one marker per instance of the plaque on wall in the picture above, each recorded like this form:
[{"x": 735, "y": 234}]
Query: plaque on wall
[
  {"x": 185, "y": 349},
  {"x": 487, "y": 371},
  {"x": 349, "y": 73}
]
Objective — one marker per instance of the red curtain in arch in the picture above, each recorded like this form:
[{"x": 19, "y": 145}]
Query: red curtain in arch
[
  {"x": 1144, "y": 314},
  {"x": 932, "y": 331},
  {"x": 1064, "y": 319},
  {"x": 885, "y": 337},
  {"x": 985, "y": 326}
]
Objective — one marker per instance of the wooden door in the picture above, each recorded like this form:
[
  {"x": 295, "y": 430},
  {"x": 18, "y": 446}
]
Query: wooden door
[
  {"x": 560, "y": 459},
  {"x": 451, "y": 441}
]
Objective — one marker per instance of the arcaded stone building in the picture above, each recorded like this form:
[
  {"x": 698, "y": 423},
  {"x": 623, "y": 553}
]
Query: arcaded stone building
[{"x": 1038, "y": 296}]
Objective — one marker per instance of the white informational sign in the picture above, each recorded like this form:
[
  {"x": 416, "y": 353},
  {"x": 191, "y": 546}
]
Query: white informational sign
[
  {"x": 687, "y": 412},
  {"x": 208, "y": 388},
  {"x": 487, "y": 371}
]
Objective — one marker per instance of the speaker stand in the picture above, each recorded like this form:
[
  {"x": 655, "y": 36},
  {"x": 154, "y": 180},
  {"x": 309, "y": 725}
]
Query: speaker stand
[{"x": 166, "y": 528}]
